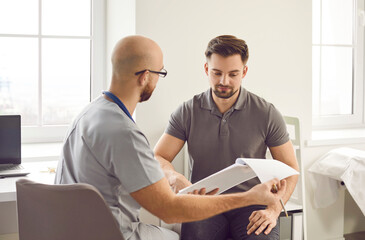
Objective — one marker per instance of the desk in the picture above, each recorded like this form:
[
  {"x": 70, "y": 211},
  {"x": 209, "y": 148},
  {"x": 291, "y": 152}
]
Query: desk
[{"x": 38, "y": 173}]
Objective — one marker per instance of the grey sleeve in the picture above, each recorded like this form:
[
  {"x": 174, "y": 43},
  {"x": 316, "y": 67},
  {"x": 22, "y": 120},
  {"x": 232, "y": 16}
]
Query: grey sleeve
[
  {"x": 133, "y": 161},
  {"x": 178, "y": 122},
  {"x": 277, "y": 133}
]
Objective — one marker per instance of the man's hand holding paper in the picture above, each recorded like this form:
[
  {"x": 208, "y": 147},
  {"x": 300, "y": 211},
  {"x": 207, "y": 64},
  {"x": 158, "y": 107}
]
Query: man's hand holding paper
[
  {"x": 244, "y": 169},
  {"x": 178, "y": 182},
  {"x": 265, "y": 193}
]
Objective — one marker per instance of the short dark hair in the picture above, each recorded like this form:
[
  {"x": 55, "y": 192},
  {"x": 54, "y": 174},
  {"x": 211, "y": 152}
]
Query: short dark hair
[{"x": 227, "y": 45}]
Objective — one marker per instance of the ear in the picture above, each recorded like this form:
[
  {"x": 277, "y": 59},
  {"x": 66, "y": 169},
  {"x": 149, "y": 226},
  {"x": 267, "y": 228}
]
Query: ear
[
  {"x": 206, "y": 68},
  {"x": 245, "y": 69},
  {"x": 143, "y": 78}
]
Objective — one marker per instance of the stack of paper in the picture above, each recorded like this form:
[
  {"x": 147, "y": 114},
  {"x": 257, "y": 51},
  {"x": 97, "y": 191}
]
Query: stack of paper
[{"x": 242, "y": 170}]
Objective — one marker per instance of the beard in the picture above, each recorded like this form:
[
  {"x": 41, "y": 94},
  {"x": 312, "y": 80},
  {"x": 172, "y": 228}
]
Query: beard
[
  {"x": 224, "y": 93},
  {"x": 146, "y": 93}
]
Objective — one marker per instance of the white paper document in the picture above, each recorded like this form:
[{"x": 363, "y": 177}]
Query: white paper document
[{"x": 242, "y": 170}]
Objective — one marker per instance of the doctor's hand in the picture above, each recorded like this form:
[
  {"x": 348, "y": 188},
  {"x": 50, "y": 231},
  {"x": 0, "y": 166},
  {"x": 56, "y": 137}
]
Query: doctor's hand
[{"x": 263, "y": 194}]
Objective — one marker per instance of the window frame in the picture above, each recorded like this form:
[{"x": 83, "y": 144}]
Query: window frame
[
  {"x": 357, "y": 118},
  {"x": 56, "y": 133}
]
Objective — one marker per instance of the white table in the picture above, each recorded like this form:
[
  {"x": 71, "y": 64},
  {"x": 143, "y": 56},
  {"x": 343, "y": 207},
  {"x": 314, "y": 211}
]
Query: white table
[{"x": 39, "y": 172}]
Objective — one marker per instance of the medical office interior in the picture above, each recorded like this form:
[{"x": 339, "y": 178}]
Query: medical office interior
[{"x": 293, "y": 64}]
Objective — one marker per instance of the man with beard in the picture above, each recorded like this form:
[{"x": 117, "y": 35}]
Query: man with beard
[
  {"x": 105, "y": 148},
  {"x": 222, "y": 124}
]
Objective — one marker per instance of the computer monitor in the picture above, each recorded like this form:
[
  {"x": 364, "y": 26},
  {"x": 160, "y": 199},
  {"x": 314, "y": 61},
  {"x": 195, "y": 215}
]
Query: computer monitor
[{"x": 10, "y": 139}]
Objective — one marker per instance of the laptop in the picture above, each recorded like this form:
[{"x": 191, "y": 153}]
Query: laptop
[{"x": 10, "y": 146}]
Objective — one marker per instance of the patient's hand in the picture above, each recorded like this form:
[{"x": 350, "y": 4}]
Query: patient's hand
[
  {"x": 263, "y": 220},
  {"x": 178, "y": 181},
  {"x": 266, "y": 219}
]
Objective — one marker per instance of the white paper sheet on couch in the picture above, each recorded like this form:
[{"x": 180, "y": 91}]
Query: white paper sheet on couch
[
  {"x": 242, "y": 170},
  {"x": 340, "y": 164}
]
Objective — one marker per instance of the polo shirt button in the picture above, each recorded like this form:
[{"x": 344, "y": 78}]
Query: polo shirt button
[{"x": 224, "y": 120}]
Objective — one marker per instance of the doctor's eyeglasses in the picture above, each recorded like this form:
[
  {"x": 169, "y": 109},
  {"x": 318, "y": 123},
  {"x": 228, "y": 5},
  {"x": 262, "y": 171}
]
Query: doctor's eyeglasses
[{"x": 162, "y": 74}]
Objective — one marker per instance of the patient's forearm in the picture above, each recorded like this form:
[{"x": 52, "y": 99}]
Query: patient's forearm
[
  {"x": 291, "y": 182},
  {"x": 166, "y": 166}
]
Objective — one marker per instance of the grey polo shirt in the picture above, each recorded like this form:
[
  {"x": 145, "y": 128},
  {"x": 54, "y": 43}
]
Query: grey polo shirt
[
  {"x": 105, "y": 148},
  {"x": 215, "y": 140}
]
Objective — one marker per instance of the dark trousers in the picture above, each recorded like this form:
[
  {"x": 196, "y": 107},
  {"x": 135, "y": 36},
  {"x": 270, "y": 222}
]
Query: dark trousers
[{"x": 232, "y": 224}]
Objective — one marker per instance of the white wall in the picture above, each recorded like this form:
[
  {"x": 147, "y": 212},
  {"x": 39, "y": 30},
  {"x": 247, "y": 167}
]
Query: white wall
[
  {"x": 278, "y": 34},
  {"x": 120, "y": 22}
]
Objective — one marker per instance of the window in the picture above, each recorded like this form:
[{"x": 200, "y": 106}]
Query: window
[
  {"x": 51, "y": 62},
  {"x": 338, "y": 63}
]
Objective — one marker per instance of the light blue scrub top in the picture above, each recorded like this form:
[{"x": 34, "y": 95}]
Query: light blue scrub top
[{"x": 105, "y": 148}]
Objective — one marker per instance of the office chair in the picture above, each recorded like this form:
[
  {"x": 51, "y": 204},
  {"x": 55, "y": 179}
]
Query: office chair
[
  {"x": 296, "y": 202},
  {"x": 59, "y": 212}
]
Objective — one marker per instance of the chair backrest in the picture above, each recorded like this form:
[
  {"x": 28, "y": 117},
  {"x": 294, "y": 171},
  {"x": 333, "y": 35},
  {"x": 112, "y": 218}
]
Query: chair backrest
[
  {"x": 59, "y": 212},
  {"x": 293, "y": 128}
]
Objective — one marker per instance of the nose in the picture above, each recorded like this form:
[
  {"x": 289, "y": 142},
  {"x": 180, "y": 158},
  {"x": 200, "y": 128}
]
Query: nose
[{"x": 224, "y": 79}]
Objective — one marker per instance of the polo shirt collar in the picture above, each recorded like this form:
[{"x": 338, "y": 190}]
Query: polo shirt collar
[
  {"x": 241, "y": 100},
  {"x": 208, "y": 102}
]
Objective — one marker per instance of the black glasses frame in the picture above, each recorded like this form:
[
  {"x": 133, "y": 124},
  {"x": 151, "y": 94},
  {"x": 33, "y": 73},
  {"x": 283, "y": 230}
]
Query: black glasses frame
[{"x": 162, "y": 74}]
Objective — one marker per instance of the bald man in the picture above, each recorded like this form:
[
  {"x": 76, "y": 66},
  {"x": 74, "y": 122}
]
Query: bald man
[{"x": 105, "y": 148}]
